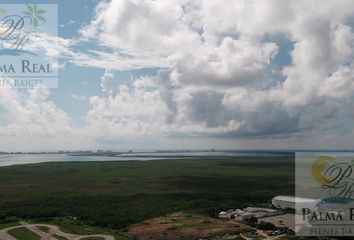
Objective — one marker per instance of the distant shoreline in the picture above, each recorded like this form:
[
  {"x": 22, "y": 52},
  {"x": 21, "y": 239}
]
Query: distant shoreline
[{"x": 22, "y": 159}]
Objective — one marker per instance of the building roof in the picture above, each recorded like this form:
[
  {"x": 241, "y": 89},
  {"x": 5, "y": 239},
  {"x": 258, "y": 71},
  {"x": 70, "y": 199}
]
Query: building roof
[{"x": 294, "y": 199}]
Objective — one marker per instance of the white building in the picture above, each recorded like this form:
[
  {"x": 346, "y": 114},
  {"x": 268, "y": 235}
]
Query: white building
[
  {"x": 259, "y": 209},
  {"x": 226, "y": 214},
  {"x": 292, "y": 202},
  {"x": 236, "y": 214}
]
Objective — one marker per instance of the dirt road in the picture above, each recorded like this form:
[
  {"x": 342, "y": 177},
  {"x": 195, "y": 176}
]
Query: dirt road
[{"x": 53, "y": 230}]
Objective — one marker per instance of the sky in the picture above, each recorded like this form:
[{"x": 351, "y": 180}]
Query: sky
[{"x": 191, "y": 74}]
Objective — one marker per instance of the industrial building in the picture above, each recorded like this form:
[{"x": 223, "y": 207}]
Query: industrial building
[
  {"x": 248, "y": 213},
  {"x": 236, "y": 214},
  {"x": 292, "y": 202}
]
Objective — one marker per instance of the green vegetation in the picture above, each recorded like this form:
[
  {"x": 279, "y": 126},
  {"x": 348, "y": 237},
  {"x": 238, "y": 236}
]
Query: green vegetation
[
  {"x": 218, "y": 236},
  {"x": 69, "y": 225},
  {"x": 116, "y": 194},
  {"x": 7, "y": 225},
  {"x": 23, "y": 234},
  {"x": 59, "y": 237},
  {"x": 44, "y": 229},
  {"x": 93, "y": 238}
]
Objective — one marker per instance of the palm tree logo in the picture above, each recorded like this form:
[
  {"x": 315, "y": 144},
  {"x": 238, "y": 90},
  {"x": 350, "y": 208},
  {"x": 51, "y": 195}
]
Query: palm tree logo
[{"x": 35, "y": 14}]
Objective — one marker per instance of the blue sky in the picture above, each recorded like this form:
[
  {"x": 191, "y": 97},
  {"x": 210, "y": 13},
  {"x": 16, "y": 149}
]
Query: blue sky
[
  {"x": 192, "y": 74},
  {"x": 73, "y": 80}
]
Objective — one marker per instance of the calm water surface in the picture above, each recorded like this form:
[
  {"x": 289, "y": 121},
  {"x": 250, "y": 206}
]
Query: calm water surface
[{"x": 16, "y": 159}]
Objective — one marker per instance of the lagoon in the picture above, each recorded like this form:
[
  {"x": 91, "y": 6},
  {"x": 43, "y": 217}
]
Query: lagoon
[{"x": 19, "y": 159}]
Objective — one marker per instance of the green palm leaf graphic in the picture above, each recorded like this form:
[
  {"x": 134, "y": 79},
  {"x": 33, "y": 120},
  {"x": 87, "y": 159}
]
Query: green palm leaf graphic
[
  {"x": 40, "y": 11},
  {"x": 36, "y": 14},
  {"x": 30, "y": 8},
  {"x": 41, "y": 18}
]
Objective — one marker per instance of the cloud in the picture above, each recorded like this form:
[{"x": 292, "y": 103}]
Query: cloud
[
  {"x": 220, "y": 74},
  {"x": 138, "y": 108},
  {"x": 232, "y": 63},
  {"x": 119, "y": 24},
  {"x": 117, "y": 60},
  {"x": 105, "y": 79},
  {"x": 29, "y": 113}
]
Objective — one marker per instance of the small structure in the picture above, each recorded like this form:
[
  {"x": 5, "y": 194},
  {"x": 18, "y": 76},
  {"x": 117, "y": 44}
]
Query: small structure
[
  {"x": 258, "y": 209},
  {"x": 249, "y": 212},
  {"x": 263, "y": 212},
  {"x": 236, "y": 214},
  {"x": 226, "y": 214}
]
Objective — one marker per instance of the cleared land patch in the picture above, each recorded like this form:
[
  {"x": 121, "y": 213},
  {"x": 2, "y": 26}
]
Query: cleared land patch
[{"x": 183, "y": 225}]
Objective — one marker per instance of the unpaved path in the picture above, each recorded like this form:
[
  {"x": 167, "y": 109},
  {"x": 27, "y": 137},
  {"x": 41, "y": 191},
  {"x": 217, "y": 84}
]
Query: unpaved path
[{"x": 47, "y": 235}]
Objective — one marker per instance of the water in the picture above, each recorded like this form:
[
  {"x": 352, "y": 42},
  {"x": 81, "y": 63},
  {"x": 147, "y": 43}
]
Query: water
[{"x": 17, "y": 159}]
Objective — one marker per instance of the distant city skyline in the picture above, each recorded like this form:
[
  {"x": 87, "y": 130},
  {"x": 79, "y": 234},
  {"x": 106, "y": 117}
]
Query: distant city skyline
[{"x": 191, "y": 74}]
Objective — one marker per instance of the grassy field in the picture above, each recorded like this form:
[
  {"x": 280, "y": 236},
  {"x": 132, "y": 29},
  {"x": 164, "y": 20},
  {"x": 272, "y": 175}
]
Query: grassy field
[
  {"x": 44, "y": 229},
  {"x": 116, "y": 194},
  {"x": 78, "y": 227},
  {"x": 59, "y": 237},
  {"x": 23, "y": 234},
  {"x": 93, "y": 238},
  {"x": 7, "y": 225}
]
